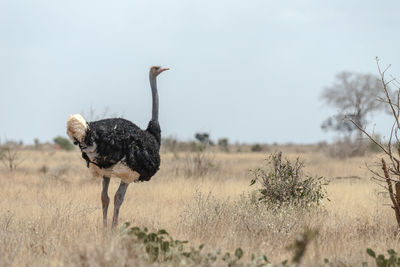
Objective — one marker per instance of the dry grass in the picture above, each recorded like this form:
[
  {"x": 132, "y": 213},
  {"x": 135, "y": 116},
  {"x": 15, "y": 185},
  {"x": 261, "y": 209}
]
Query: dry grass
[{"x": 53, "y": 217}]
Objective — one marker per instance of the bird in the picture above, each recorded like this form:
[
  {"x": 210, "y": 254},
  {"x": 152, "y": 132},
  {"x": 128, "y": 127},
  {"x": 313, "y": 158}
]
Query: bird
[{"x": 116, "y": 147}]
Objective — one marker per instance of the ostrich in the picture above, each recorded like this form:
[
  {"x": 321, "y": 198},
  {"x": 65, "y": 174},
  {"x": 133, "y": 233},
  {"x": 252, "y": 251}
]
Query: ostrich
[{"x": 117, "y": 147}]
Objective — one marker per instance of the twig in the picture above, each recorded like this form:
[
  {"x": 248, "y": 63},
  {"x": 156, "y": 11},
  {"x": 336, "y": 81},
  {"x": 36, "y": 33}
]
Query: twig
[
  {"x": 382, "y": 74},
  {"x": 370, "y": 137}
]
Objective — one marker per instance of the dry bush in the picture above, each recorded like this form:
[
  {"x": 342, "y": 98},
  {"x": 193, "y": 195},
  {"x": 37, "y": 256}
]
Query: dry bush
[
  {"x": 56, "y": 174},
  {"x": 170, "y": 144},
  {"x": 344, "y": 148},
  {"x": 10, "y": 157},
  {"x": 199, "y": 163},
  {"x": 225, "y": 219},
  {"x": 44, "y": 169}
]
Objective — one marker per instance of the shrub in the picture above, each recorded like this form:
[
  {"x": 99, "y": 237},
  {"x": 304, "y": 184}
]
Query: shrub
[
  {"x": 170, "y": 144},
  {"x": 203, "y": 138},
  {"x": 36, "y": 141},
  {"x": 283, "y": 182},
  {"x": 199, "y": 163},
  {"x": 64, "y": 143},
  {"x": 161, "y": 247},
  {"x": 223, "y": 143},
  {"x": 256, "y": 148},
  {"x": 10, "y": 157},
  {"x": 382, "y": 261},
  {"x": 345, "y": 147}
]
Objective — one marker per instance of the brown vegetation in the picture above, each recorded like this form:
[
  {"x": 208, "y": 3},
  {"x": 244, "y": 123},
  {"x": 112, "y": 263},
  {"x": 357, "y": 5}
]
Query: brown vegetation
[{"x": 53, "y": 217}]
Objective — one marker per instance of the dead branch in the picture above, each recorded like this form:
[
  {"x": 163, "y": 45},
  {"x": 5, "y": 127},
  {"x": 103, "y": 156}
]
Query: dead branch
[
  {"x": 371, "y": 138},
  {"x": 382, "y": 74}
]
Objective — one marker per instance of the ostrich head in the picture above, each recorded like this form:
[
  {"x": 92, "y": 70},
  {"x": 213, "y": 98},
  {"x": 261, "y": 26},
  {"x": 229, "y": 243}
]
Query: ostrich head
[{"x": 156, "y": 70}]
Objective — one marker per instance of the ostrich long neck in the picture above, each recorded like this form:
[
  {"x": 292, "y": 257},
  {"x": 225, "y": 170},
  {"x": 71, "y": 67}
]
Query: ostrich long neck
[{"x": 153, "y": 84}]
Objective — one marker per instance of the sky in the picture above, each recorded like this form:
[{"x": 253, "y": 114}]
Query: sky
[{"x": 252, "y": 71}]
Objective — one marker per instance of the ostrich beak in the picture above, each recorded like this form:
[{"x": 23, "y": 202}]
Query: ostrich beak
[{"x": 163, "y": 69}]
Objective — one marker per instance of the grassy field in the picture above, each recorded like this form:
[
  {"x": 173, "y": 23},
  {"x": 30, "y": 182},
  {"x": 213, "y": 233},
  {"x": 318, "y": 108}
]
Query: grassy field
[{"x": 50, "y": 211}]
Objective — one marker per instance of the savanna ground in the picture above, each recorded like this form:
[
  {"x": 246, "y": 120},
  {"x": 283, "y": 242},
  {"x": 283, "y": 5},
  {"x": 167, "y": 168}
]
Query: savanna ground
[{"x": 50, "y": 211}]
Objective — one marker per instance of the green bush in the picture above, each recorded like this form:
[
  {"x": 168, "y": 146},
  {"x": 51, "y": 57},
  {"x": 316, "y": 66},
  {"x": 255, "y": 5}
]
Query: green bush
[
  {"x": 159, "y": 247},
  {"x": 223, "y": 143},
  {"x": 381, "y": 261},
  {"x": 283, "y": 182},
  {"x": 256, "y": 148},
  {"x": 64, "y": 143}
]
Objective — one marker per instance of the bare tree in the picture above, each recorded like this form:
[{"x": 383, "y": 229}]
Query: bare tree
[
  {"x": 354, "y": 96},
  {"x": 389, "y": 176},
  {"x": 10, "y": 156}
]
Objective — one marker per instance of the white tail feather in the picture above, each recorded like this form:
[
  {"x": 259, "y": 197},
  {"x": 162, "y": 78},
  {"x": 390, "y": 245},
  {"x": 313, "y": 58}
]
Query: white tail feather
[{"x": 76, "y": 127}]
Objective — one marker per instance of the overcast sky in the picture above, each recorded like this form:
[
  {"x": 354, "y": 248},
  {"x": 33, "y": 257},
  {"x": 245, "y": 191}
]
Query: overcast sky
[{"x": 252, "y": 71}]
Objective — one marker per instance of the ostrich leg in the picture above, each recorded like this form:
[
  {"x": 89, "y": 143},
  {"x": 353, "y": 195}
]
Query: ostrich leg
[
  {"x": 119, "y": 197},
  {"x": 105, "y": 200}
]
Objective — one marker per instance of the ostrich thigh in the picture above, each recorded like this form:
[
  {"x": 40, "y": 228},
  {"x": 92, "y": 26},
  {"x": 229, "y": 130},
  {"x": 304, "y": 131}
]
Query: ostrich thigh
[{"x": 119, "y": 170}]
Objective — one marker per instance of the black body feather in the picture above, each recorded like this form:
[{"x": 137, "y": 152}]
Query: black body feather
[{"x": 118, "y": 140}]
